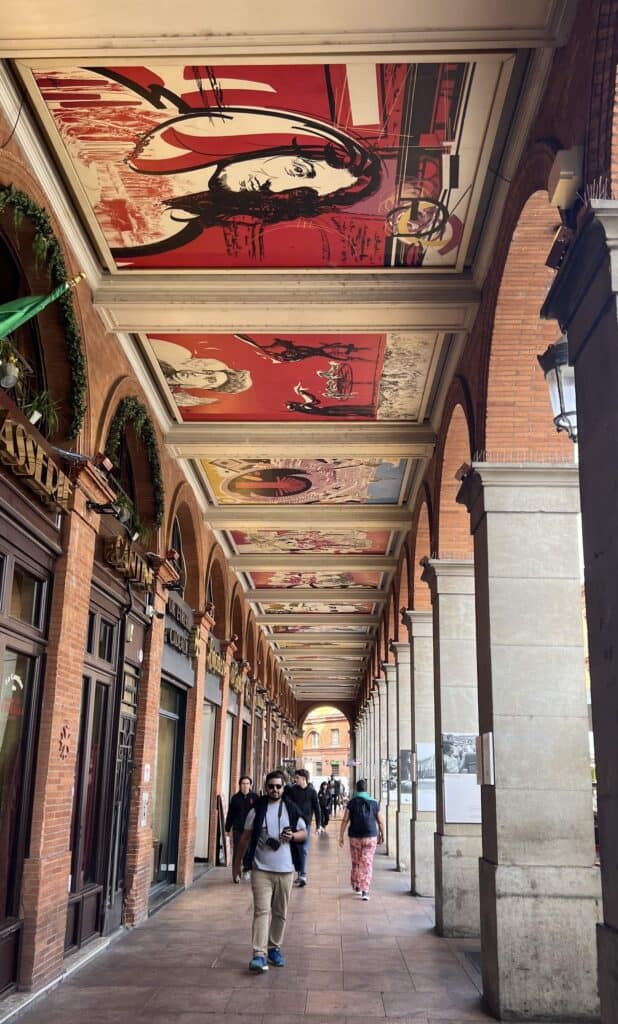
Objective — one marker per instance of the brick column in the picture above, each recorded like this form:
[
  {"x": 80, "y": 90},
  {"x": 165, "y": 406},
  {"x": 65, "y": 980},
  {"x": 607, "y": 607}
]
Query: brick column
[
  {"x": 457, "y": 843},
  {"x": 237, "y": 768},
  {"x": 48, "y": 866},
  {"x": 390, "y": 673},
  {"x": 229, "y": 649},
  {"x": 538, "y": 881},
  {"x": 583, "y": 300},
  {"x": 203, "y": 623},
  {"x": 423, "y": 823},
  {"x": 138, "y": 869},
  {"x": 404, "y": 743}
]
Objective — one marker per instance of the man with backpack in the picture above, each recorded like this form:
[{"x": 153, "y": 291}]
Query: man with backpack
[
  {"x": 273, "y": 831},
  {"x": 366, "y": 830}
]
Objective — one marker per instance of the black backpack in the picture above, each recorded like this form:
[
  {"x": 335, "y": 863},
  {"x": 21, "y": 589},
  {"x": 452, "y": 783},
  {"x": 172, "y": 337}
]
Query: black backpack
[{"x": 362, "y": 817}]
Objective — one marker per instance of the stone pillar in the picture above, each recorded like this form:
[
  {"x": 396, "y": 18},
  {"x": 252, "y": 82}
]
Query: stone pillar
[
  {"x": 404, "y": 753},
  {"x": 538, "y": 881},
  {"x": 423, "y": 823},
  {"x": 382, "y": 794},
  {"x": 390, "y": 673},
  {"x": 583, "y": 300},
  {"x": 375, "y": 739},
  {"x": 457, "y": 838}
]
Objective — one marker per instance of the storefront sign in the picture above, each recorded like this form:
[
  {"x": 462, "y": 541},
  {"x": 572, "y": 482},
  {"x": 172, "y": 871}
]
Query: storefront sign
[
  {"x": 28, "y": 459},
  {"x": 215, "y": 661},
  {"x": 119, "y": 553},
  {"x": 178, "y": 649},
  {"x": 237, "y": 676}
]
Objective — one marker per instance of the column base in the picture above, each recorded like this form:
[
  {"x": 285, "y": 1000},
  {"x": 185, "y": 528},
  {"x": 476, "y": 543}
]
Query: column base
[
  {"x": 422, "y": 870},
  {"x": 538, "y": 950},
  {"x": 457, "y": 884},
  {"x": 403, "y": 838},
  {"x": 607, "y": 945}
]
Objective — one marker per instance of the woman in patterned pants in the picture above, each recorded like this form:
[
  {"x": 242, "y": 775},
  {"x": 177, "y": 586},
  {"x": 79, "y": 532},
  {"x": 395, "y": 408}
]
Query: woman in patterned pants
[{"x": 365, "y": 830}]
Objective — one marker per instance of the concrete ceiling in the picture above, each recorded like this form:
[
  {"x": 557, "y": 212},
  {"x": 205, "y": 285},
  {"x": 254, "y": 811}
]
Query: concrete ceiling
[{"x": 297, "y": 363}]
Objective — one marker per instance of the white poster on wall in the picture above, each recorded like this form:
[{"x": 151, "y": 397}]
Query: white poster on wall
[
  {"x": 426, "y": 777},
  {"x": 462, "y": 793}
]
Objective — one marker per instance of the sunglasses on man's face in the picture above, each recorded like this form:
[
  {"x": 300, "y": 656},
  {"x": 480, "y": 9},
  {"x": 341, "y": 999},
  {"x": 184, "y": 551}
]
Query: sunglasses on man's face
[{"x": 274, "y": 785}]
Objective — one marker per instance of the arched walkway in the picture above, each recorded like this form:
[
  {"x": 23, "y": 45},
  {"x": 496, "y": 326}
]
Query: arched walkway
[{"x": 347, "y": 961}]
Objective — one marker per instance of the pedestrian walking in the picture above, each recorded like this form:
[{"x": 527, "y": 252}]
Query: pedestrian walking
[
  {"x": 306, "y": 799},
  {"x": 273, "y": 831},
  {"x": 366, "y": 828},
  {"x": 240, "y": 805},
  {"x": 323, "y": 802}
]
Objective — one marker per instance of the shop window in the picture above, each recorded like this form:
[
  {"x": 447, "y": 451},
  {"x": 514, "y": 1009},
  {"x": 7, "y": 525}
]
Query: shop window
[
  {"x": 106, "y": 641},
  {"x": 334, "y": 737},
  {"x": 26, "y": 597},
  {"x": 92, "y": 625},
  {"x": 15, "y": 693},
  {"x": 318, "y": 767},
  {"x": 180, "y": 564}
]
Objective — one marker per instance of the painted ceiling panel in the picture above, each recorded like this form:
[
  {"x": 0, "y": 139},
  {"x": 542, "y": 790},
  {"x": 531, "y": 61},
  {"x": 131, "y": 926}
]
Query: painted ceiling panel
[
  {"x": 297, "y": 541},
  {"x": 306, "y": 481},
  {"x": 318, "y": 608},
  {"x": 318, "y": 579},
  {"x": 322, "y": 377},
  {"x": 353, "y": 165}
]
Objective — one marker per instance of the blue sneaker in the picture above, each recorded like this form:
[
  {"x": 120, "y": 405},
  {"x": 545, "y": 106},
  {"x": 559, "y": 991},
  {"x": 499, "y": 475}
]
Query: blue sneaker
[
  {"x": 275, "y": 957},
  {"x": 258, "y": 964}
]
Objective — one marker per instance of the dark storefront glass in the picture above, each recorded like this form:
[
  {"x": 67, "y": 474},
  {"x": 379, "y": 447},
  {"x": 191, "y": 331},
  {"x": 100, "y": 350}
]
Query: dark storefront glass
[
  {"x": 17, "y": 677},
  {"x": 165, "y": 816}
]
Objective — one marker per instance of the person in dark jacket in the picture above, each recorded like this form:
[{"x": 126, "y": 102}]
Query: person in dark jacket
[
  {"x": 305, "y": 797},
  {"x": 241, "y": 803},
  {"x": 273, "y": 832},
  {"x": 323, "y": 802}
]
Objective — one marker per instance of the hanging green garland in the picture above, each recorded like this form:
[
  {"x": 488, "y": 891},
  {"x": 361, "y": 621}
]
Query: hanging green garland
[
  {"x": 131, "y": 411},
  {"x": 47, "y": 250}
]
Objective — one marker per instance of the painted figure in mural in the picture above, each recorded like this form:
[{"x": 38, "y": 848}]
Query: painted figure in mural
[
  {"x": 248, "y": 163},
  {"x": 283, "y": 350},
  {"x": 312, "y": 406},
  {"x": 182, "y": 370}
]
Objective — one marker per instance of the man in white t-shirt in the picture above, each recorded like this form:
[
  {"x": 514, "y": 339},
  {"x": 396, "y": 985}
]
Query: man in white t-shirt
[{"x": 272, "y": 828}]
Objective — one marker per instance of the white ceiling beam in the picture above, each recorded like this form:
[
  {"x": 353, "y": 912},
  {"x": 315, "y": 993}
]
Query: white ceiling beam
[
  {"x": 219, "y": 440},
  {"x": 313, "y": 619},
  {"x": 317, "y": 517},
  {"x": 307, "y": 560},
  {"x": 287, "y": 301}
]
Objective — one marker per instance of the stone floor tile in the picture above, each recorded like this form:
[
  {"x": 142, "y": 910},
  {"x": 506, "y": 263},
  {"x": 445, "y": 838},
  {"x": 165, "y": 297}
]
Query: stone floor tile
[
  {"x": 269, "y": 1001},
  {"x": 185, "y": 999},
  {"x": 347, "y": 1003}
]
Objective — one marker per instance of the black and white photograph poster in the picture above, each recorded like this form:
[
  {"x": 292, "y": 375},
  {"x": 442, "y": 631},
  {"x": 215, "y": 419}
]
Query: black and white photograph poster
[
  {"x": 462, "y": 793},
  {"x": 405, "y": 776},
  {"x": 426, "y": 777}
]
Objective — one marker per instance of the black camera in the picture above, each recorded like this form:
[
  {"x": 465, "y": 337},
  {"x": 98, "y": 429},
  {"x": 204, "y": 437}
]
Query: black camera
[{"x": 272, "y": 843}]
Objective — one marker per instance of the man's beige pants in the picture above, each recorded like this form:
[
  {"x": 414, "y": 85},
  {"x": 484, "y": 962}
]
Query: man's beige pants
[{"x": 271, "y": 895}]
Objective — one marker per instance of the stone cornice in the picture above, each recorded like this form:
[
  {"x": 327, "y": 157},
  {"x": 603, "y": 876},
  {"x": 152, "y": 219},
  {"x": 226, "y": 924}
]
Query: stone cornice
[
  {"x": 508, "y": 488},
  {"x": 448, "y": 576},
  {"x": 397, "y": 301},
  {"x": 308, "y": 560},
  {"x": 402, "y": 32},
  {"x": 215, "y": 440},
  {"x": 418, "y": 624}
]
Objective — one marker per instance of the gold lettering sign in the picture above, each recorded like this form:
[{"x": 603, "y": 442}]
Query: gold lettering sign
[
  {"x": 27, "y": 458},
  {"x": 130, "y": 564},
  {"x": 215, "y": 662},
  {"x": 236, "y": 677}
]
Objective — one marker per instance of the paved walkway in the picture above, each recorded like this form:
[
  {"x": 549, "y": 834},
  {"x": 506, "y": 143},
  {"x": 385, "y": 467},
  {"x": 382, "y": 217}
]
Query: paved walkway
[{"x": 347, "y": 961}]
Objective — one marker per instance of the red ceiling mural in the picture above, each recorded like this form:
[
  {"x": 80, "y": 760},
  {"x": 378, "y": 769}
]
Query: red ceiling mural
[
  {"x": 263, "y": 377},
  {"x": 313, "y": 165},
  {"x": 296, "y": 541}
]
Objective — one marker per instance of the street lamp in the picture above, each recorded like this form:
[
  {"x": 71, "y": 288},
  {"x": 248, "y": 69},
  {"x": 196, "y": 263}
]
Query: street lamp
[{"x": 560, "y": 379}]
